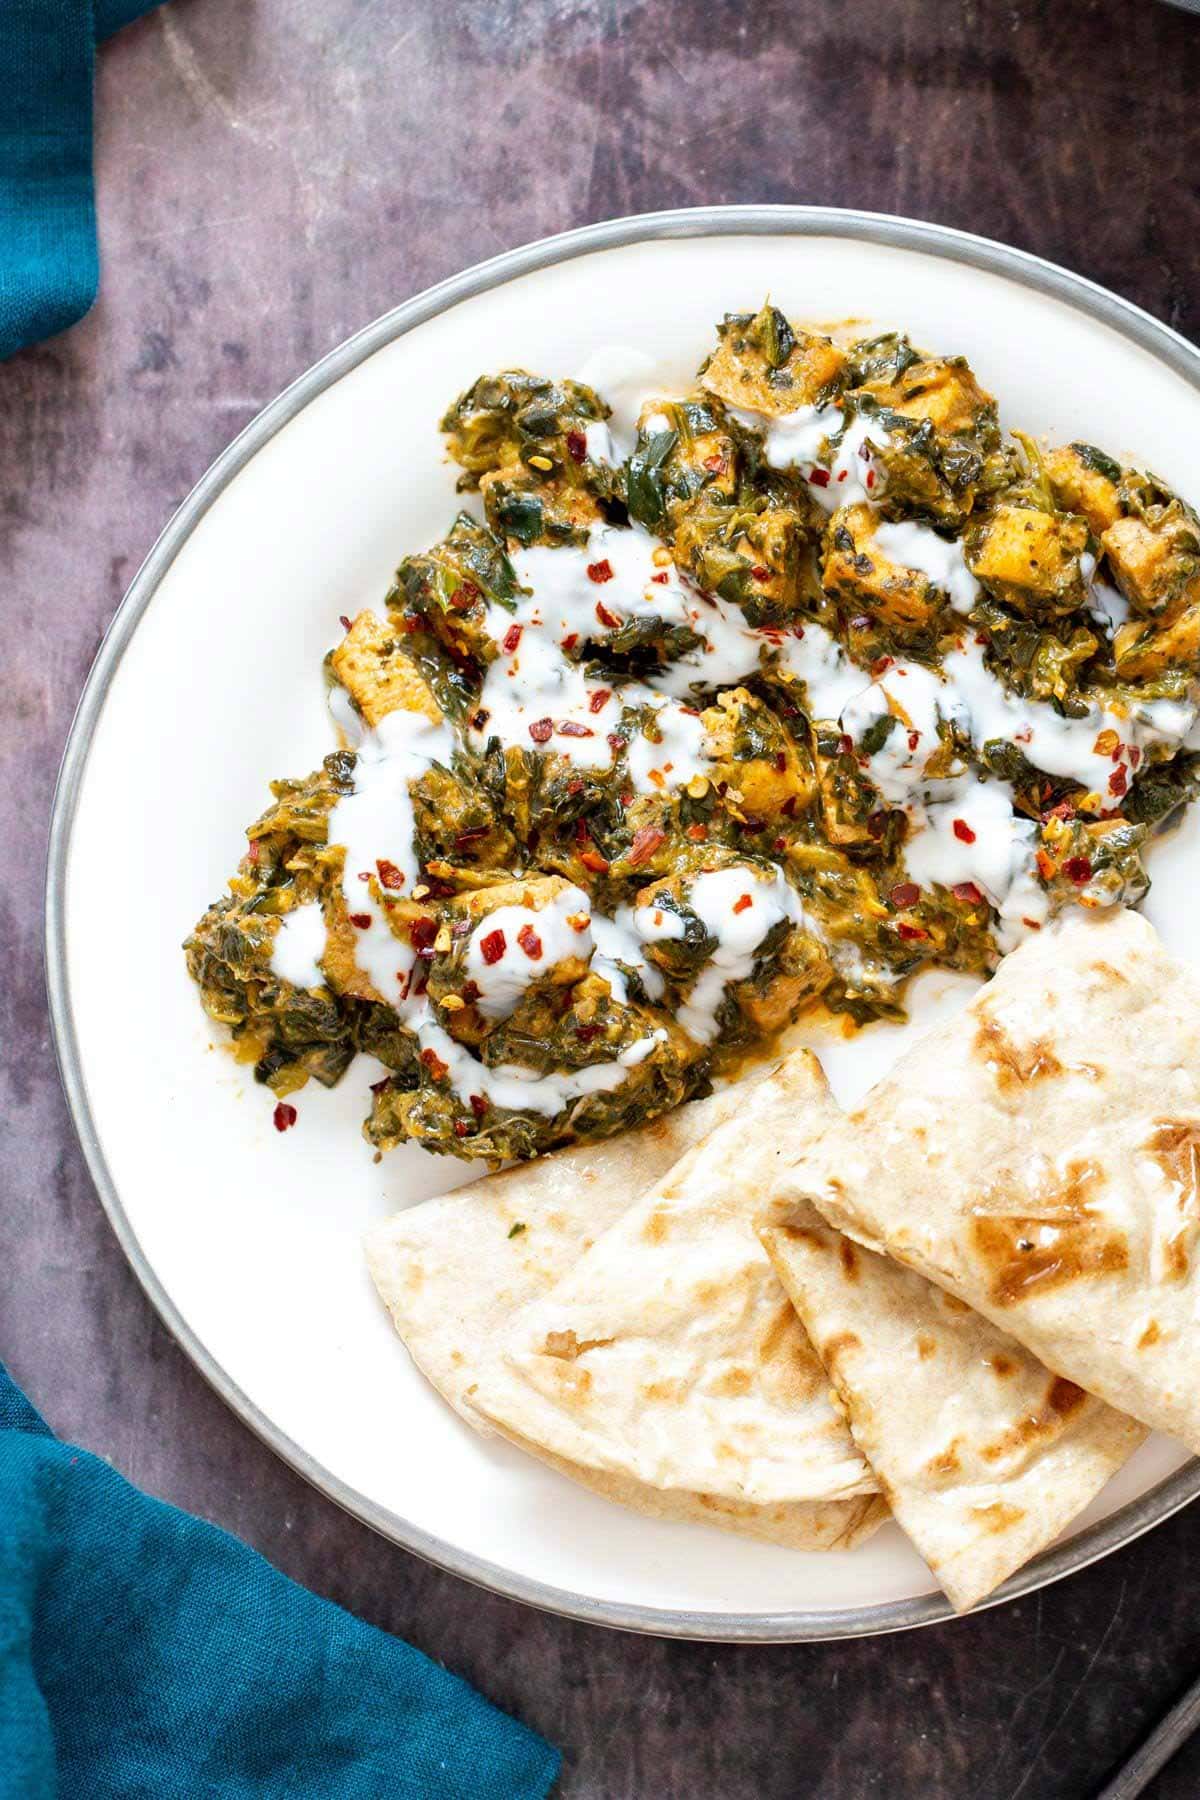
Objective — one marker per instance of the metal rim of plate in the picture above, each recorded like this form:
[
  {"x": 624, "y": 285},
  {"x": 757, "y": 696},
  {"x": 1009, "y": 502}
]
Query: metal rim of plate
[{"x": 719, "y": 221}]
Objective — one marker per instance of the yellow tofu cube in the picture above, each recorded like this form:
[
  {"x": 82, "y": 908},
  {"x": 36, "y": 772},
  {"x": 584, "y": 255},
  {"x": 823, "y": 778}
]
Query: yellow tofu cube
[
  {"x": 378, "y": 674},
  {"x": 1156, "y": 568},
  {"x": 1142, "y": 649},
  {"x": 855, "y": 569},
  {"x": 1079, "y": 486},
  {"x": 1030, "y": 559},
  {"x": 741, "y": 374},
  {"x": 941, "y": 389}
]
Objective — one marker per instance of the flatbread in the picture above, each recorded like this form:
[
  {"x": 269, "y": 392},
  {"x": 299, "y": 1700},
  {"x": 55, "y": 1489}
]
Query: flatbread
[
  {"x": 983, "y": 1455},
  {"x": 670, "y": 1352},
  {"x": 1039, "y": 1157},
  {"x": 453, "y": 1275}
]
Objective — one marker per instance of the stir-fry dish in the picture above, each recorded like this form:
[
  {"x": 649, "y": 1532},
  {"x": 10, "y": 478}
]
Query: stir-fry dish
[{"x": 762, "y": 701}]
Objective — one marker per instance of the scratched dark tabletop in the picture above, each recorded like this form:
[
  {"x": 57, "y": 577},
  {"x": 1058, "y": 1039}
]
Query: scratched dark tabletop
[{"x": 274, "y": 173}]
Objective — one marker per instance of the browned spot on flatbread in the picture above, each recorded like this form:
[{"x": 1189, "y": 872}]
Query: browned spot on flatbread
[
  {"x": 803, "y": 1234},
  {"x": 566, "y": 1346},
  {"x": 1151, "y": 1335},
  {"x": 840, "y": 1342},
  {"x": 1046, "y": 1237},
  {"x": 926, "y": 1347},
  {"x": 848, "y": 1257},
  {"x": 1002, "y": 1365},
  {"x": 1046, "y": 1421},
  {"x": 953, "y": 1304},
  {"x": 946, "y": 1462},
  {"x": 998, "y": 1516},
  {"x": 733, "y": 1382},
  {"x": 1110, "y": 974},
  {"x": 1012, "y": 1064},
  {"x": 663, "y": 1390},
  {"x": 1174, "y": 1145},
  {"x": 656, "y": 1226}
]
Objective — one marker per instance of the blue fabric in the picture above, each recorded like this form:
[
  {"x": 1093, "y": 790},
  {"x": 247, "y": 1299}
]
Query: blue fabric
[
  {"x": 145, "y": 1655},
  {"x": 49, "y": 263}
]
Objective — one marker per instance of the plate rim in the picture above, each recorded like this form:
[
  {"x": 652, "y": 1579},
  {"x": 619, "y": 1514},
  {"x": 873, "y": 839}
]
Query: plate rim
[{"x": 791, "y": 1625}]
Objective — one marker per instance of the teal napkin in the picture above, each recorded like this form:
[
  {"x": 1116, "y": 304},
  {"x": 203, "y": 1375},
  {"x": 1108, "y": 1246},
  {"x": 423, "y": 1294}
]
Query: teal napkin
[
  {"x": 49, "y": 264},
  {"x": 145, "y": 1655}
]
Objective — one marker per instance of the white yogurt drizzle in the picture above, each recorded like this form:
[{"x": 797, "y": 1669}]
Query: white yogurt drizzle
[
  {"x": 833, "y": 456},
  {"x": 941, "y": 559},
  {"x": 582, "y": 595},
  {"x": 738, "y": 907},
  {"x": 299, "y": 946},
  {"x": 532, "y": 941}
]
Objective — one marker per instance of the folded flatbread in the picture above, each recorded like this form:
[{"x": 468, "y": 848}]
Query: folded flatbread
[
  {"x": 1039, "y": 1158},
  {"x": 670, "y": 1352},
  {"x": 983, "y": 1455},
  {"x": 456, "y": 1270}
]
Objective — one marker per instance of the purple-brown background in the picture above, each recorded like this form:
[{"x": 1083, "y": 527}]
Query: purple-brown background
[{"x": 271, "y": 175}]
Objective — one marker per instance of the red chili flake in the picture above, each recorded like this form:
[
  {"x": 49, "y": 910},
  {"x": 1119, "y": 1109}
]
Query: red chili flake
[
  {"x": 470, "y": 992},
  {"x": 575, "y": 787},
  {"x": 615, "y": 742},
  {"x": 362, "y": 920},
  {"x": 592, "y": 859},
  {"x": 905, "y": 893},
  {"x": 819, "y": 477},
  {"x": 600, "y": 571},
  {"x": 760, "y": 573},
  {"x": 1135, "y": 756},
  {"x": 605, "y": 617},
  {"x": 911, "y": 931},
  {"x": 422, "y": 931},
  {"x": 599, "y": 700},
  {"x": 662, "y": 577},
  {"x": 697, "y": 833},
  {"x": 464, "y": 596},
  {"x": 716, "y": 465},
  {"x": 645, "y": 842},
  {"x": 1118, "y": 781},
  {"x": 585, "y": 1033},
  {"x": 570, "y": 641},
  {"x": 582, "y": 834},
  {"x": 798, "y": 631},
  {"x": 1078, "y": 869},
  {"x": 780, "y": 844},
  {"x": 512, "y": 638},
  {"x": 572, "y": 728},
  {"x": 433, "y": 1062},
  {"x": 576, "y": 446},
  {"x": 255, "y": 851},
  {"x": 422, "y": 986},
  {"x": 389, "y": 875},
  {"x": 781, "y": 760},
  {"x": 914, "y": 738},
  {"x": 881, "y": 663},
  {"x": 364, "y": 875},
  {"x": 462, "y": 1128},
  {"x": 963, "y": 832},
  {"x": 343, "y": 621},
  {"x": 845, "y": 743},
  {"x": 966, "y": 890},
  {"x": 626, "y": 799},
  {"x": 477, "y": 1104},
  {"x": 284, "y": 1116},
  {"x": 471, "y": 836},
  {"x": 870, "y": 475},
  {"x": 540, "y": 730},
  {"x": 493, "y": 946},
  {"x": 742, "y": 902},
  {"x": 530, "y": 942},
  {"x": 479, "y": 719},
  {"x": 877, "y": 824}
]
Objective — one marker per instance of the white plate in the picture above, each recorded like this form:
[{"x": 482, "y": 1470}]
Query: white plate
[{"x": 209, "y": 683}]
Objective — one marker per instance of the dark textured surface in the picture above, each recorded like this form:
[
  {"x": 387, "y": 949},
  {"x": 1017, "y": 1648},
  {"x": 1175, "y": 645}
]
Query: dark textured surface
[{"x": 272, "y": 174}]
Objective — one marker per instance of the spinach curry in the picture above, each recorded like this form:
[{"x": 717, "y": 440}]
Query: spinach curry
[{"x": 759, "y": 700}]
